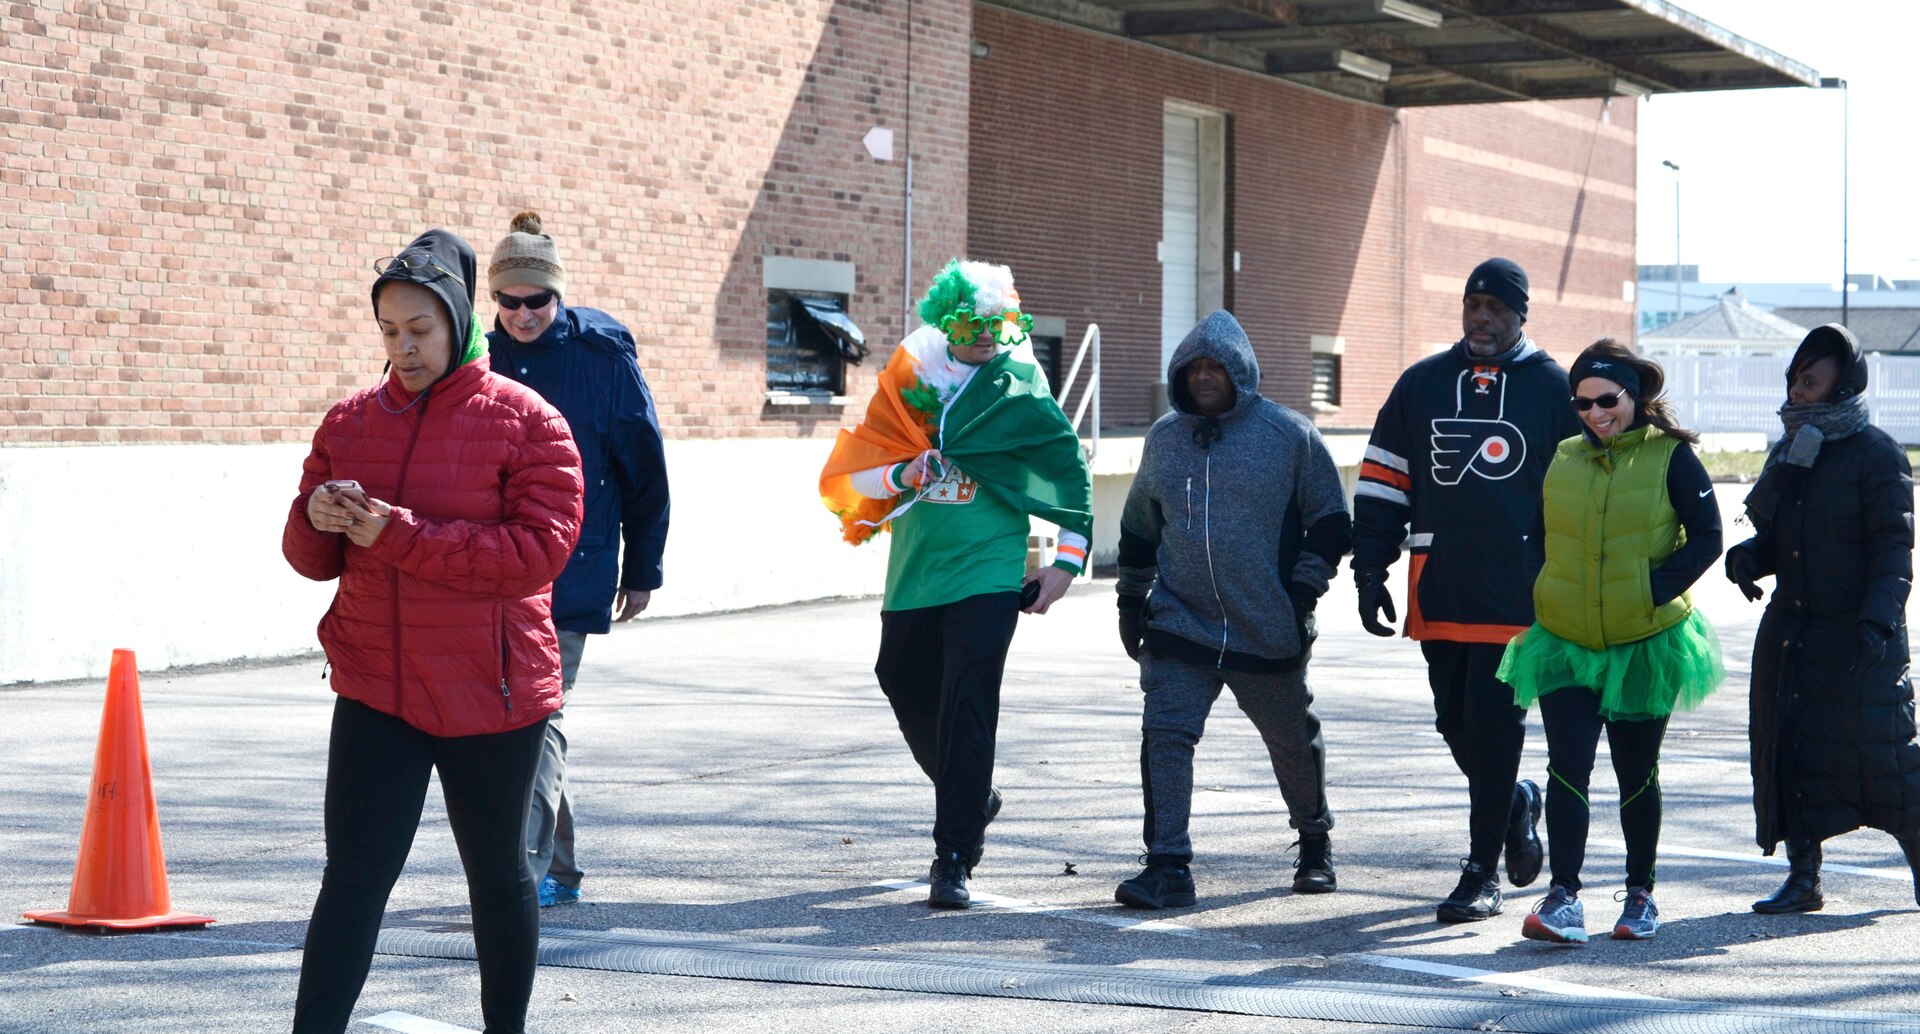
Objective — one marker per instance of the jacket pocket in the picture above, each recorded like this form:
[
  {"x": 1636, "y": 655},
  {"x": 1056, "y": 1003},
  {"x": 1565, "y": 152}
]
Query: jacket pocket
[{"x": 502, "y": 655}]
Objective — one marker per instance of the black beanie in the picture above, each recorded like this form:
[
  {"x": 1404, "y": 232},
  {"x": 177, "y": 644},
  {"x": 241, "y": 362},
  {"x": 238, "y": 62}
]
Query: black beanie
[
  {"x": 428, "y": 261},
  {"x": 1503, "y": 279}
]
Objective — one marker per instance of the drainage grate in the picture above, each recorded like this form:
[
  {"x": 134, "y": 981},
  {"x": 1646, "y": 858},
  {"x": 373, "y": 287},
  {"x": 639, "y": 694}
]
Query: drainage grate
[{"x": 674, "y": 954}]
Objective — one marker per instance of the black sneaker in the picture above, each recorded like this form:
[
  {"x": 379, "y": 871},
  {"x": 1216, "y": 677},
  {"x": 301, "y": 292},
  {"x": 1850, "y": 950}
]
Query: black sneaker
[
  {"x": 947, "y": 883},
  {"x": 993, "y": 803},
  {"x": 1524, "y": 853},
  {"x": 1313, "y": 869},
  {"x": 1157, "y": 886},
  {"x": 1477, "y": 897}
]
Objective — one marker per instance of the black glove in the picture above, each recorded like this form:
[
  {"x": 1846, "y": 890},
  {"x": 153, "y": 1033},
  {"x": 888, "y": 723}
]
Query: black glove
[
  {"x": 1303, "y": 600},
  {"x": 1872, "y": 646},
  {"x": 1133, "y": 624},
  {"x": 1743, "y": 570},
  {"x": 1374, "y": 599}
]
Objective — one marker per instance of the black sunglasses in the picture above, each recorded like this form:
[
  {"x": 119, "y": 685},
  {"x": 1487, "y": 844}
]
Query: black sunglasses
[
  {"x": 410, "y": 264},
  {"x": 1607, "y": 401},
  {"x": 532, "y": 301}
]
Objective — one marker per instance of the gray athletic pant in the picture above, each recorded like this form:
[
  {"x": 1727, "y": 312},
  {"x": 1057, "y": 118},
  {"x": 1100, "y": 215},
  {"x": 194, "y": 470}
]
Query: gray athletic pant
[
  {"x": 550, "y": 820},
  {"x": 1178, "y": 696}
]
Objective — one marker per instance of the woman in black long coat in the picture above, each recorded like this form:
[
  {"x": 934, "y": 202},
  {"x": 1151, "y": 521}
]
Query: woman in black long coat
[{"x": 1832, "y": 716}]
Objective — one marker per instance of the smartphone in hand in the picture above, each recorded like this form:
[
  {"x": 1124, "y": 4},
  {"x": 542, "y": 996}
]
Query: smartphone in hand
[{"x": 347, "y": 488}]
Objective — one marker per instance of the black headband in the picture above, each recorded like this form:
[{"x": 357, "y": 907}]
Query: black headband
[{"x": 1612, "y": 369}]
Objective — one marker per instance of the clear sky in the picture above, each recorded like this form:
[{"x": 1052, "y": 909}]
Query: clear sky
[{"x": 1760, "y": 170}]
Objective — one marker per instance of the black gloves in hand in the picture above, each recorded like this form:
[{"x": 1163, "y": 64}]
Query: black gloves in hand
[
  {"x": 1743, "y": 570},
  {"x": 1374, "y": 599},
  {"x": 1872, "y": 646},
  {"x": 1133, "y": 624},
  {"x": 1303, "y": 601}
]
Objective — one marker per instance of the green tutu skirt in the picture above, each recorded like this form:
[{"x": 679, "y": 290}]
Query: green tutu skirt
[{"x": 1674, "y": 670}]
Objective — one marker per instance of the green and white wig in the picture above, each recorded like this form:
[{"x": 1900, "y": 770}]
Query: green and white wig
[{"x": 969, "y": 299}]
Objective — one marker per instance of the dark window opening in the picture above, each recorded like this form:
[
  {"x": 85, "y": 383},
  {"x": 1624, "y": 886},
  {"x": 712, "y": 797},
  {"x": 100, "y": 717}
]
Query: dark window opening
[
  {"x": 810, "y": 340},
  {"x": 1326, "y": 379},
  {"x": 1046, "y": 355}
]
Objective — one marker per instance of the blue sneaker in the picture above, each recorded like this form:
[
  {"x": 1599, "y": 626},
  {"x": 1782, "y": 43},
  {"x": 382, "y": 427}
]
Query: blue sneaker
[
  {"x": 553, "y": 892},
  {"x": 1639, "y": 920},
  {"x": 1559, "y": 918}
]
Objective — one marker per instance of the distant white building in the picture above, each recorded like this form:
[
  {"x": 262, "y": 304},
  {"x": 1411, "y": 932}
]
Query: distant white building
[{"x": 1732, "y": 326}]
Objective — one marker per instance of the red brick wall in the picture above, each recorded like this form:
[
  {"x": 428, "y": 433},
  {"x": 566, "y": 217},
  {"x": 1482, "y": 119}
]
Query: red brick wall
[
  {"x": 1520, "y": 180},
  {"x": 1346, "y": 216},
  {"x": 191, "y": 195}
]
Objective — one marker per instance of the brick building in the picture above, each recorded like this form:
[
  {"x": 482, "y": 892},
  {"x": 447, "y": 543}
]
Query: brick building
[{"x": 193, "y": 195}]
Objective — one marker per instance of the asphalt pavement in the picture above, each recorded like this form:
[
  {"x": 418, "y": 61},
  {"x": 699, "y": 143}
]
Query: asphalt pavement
[{"x": 752, "y": 825}]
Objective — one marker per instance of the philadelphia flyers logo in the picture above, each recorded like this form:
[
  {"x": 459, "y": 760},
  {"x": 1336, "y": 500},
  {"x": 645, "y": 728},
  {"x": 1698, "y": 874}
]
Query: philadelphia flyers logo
[{"x": 1491, "y": 448}]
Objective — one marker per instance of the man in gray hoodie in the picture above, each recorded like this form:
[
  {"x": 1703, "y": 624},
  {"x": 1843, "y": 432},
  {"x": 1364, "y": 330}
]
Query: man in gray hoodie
[{"x": 1235, "y": 522}]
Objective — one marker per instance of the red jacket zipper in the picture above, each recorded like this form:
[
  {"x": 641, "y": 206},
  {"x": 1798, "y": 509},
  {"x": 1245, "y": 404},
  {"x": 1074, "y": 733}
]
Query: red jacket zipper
[{"x": 393, "y": 573}]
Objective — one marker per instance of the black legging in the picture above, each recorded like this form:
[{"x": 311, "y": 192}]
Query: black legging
[
  {"x": 1572, "y": 718},
  {"x": 377, "y": 769}
]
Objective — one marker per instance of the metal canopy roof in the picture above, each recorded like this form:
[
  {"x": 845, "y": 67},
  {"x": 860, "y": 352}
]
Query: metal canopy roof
[{"x": 1409, "y": 53}]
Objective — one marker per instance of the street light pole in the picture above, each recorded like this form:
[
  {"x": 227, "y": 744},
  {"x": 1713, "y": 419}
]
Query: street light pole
[
  {"x": 1846, "y": 289},
  {"x": 1678, "y": 310}
]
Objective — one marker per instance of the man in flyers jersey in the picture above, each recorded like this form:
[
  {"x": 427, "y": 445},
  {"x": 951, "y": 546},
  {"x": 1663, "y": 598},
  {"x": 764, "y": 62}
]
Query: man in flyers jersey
[{"x": 1457, "y": 457}]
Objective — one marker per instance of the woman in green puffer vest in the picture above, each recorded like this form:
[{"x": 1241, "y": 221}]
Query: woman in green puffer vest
[{"x": 1631, "y": 522}]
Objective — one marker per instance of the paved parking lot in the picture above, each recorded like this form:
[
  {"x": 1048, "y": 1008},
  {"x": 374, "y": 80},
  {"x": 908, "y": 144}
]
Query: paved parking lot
[{"x": 747, "y": 811}]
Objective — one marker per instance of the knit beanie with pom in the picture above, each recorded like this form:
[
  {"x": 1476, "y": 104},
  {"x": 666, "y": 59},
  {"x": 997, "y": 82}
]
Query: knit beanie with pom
[{"x": 527, "y": 258}]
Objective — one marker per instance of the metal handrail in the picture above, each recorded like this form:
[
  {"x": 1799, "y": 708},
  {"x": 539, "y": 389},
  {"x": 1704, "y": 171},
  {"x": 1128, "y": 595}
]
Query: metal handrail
[{"x": 1091, "y": 394}]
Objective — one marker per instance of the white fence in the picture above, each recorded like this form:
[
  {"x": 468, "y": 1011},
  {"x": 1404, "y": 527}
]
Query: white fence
[{"x": 1723, "y": 394}]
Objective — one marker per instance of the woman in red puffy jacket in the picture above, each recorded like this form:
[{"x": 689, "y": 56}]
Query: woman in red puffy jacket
[{"x": 445, "y": 500}]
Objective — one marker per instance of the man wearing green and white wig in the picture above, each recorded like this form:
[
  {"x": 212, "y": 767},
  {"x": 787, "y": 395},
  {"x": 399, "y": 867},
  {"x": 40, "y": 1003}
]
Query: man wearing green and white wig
[{"x": 967, "y": 385}]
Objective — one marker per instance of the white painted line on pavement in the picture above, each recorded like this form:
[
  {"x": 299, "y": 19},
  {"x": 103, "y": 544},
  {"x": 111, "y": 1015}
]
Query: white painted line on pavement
[
  {"x": 408, "y": 1023},
  {"x": 1070, "y": 912},
  {"x": 1693, "y": 759},
  {"x": 1778, "y": 861},
  {"x": 1481, "y": 976}
]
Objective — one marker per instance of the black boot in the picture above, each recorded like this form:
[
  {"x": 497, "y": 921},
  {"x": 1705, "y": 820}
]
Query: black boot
[
  {"x": 947, "y": 882},
  {"x": 1162, "y": 884},
  {"x": 1910, "y": 846},
  {"x": 1801, "y": 892},
  {"x": 1313, "y": 869}
]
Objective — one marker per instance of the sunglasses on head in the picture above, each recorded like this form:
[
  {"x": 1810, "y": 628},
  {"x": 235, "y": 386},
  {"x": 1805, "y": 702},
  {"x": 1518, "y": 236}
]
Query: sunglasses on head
[
  {"x": 531, "y": 301},
  {"x": 1607, "y": 401},
  {"x": 417, "y": 266}
]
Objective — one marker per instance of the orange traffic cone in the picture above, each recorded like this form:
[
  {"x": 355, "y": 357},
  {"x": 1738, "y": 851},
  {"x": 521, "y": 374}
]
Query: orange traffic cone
[{"x": 120, "y": 879}]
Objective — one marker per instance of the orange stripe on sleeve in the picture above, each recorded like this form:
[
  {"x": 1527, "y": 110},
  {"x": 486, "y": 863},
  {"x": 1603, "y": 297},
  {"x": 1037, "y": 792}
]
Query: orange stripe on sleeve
[{"x": 1378, "y": 472}]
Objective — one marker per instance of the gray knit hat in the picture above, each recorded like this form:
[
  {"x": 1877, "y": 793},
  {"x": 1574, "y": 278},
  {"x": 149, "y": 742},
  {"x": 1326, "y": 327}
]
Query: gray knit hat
[{"x": 527, "y": 258}]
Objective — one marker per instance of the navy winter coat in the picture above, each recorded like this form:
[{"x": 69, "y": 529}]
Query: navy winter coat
[{"x": 585, "y": 365}]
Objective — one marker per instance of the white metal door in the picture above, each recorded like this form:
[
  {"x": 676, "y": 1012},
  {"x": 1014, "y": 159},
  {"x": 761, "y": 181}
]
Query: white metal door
[{"x": 1179, "y": 232}]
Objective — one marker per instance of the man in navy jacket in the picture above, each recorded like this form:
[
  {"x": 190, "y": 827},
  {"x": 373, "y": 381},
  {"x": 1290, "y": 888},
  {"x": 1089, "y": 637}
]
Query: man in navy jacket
[{"x": 583, "y": 362}]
